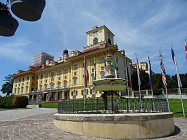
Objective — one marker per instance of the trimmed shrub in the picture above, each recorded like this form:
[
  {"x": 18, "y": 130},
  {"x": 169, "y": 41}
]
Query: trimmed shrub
[
  {"x": 20, "y": 101},
  {"x": 6, "y": 102}
]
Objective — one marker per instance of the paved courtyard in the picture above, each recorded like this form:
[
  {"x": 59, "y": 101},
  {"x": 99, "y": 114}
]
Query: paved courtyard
[{"x": 37, "y": 124}]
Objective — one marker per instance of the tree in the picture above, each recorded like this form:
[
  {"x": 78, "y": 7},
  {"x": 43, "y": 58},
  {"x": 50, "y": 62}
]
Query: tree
[
  {"x": 144, "y": 78},
  {"x": 7, "y": 87}
]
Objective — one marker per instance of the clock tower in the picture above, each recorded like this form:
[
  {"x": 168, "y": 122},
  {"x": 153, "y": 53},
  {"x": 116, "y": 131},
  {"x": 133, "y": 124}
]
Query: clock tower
[{"x": 98, "y": 36}]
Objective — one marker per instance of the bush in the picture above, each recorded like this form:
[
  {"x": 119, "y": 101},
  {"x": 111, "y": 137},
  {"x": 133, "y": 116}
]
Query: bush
[
  {"x": 20, "y": 101},
  {"x": 157, "y": 91},
  {"x": 6, "y": 102}
]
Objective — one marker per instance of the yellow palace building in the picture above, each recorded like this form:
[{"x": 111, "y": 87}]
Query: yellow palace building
[{"x": 47, "y": 79}]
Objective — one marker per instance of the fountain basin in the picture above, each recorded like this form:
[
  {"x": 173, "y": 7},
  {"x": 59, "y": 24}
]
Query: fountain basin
[
  {"x": 117, "y": 126},
  {"x": 110, "y": 84}
]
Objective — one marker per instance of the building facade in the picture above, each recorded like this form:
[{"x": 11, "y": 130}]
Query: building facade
[{"x": 64, "y": 78}]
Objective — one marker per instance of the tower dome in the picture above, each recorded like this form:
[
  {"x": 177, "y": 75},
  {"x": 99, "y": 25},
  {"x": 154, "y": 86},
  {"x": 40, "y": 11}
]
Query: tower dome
[{"x": 65, "y": 51}]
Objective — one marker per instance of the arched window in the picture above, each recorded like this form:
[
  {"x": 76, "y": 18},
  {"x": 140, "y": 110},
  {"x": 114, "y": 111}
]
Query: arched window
[
  {"x": 95, "y": 40},
  {"x": 109, "y": 41}
]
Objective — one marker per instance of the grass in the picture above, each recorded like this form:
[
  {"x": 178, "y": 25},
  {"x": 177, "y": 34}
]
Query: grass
[
  {"x": 49, "y": 105},
  {"x": 176, "y": 107}
]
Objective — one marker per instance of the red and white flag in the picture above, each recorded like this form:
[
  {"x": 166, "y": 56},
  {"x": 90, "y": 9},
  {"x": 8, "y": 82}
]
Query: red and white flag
[{"x": 86, "y": 74}]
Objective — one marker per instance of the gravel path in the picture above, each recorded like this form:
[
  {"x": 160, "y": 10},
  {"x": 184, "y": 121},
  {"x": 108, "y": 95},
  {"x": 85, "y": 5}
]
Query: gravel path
[{"x": 10, "y": 115}]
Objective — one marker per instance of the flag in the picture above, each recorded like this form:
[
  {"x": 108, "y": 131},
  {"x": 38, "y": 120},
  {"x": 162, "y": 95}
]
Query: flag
[
  {"x": 115, "y": 67},
  {"x": 163, "y": 72},
  {"x": 129, "y": 78},
  {"x": 138, "y": 72},
  {"x": 94, "y": 69},
  {"x": 185, "y": 47},
  {"x": 150, "y": 73},
  {"x": 86, "y": 75},
  {"x": 45, "y": 90},
  {"x": 176, "y": 67}
]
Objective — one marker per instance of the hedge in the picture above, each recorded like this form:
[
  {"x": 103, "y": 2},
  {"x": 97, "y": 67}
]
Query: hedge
[{"x": 13, "y": 102}]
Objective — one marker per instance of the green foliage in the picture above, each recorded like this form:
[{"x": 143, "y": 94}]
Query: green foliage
[
  {"x": 144, "y": 77},
  {"x": 7, "y": 87},
  {"x": 13, "y": 102},
  {"x": 6, "y": 102},
  {"x": 157, "y": 81},
  {"x": 20, "y": 101},
  {"x": 49, "y": 105},
  {"x": 157, "y": 91}
]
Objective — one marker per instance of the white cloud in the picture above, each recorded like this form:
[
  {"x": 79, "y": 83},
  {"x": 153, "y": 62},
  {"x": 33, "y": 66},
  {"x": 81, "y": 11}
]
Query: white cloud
[{"x": 15, "y": 50}]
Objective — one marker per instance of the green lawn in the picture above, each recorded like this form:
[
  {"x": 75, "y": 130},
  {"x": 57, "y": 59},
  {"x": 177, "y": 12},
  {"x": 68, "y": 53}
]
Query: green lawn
[
  {"x": 176, "y": 107},
  {"x": 49, "y": 105}
]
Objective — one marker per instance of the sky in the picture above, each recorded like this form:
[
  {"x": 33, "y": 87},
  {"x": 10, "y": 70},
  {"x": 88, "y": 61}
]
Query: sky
[{"x": 140, "y": 26}]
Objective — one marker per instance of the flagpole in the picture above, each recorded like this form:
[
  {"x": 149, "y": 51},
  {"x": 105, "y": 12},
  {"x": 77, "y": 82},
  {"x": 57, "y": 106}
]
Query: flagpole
[
  {"x": 167, "y": 98},
  {"x": 182, "y": 102},
  {"x": 178, "y": 79},
  {"x": 163, "y": 74},
  {"x": 137, "y": 67},
  {"x": 150, "y": 74}
]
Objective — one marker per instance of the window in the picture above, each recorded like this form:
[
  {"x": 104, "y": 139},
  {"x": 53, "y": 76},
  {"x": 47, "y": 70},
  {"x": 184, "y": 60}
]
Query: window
[
  {"x": 75, "y": 73},
  {"x": 93, "y": 77},
  {"x": 93, "y": 62},
  {"x": 27, "y": 77},
  {"x": 59, "y": 73},
  {"x": 102, "y": 60},
  {"x": 52, "y": 74},
  {"x": 65, "y": 71},
  {"x": 46, "y": 75},
  {"x": 95, "y": 40},
  {"x": 75, "y": 66},
  {"x": 74, "y": 81},
  {"x": 52, "y": 86},
  {"x": 102, "y": 76},
  {"x": 65, "y": 84},
  {"x": 41, "y": 76},
  {"x": 109, "y": 41},
  {"x": 27, "y": 89},
  {"x": 116, "y": 60},
  {"x": 124, "y": 64},
  {"x": 22, "y": 90},
  {"x": 59, "y": 84},
  {"x": 124, "y": 71}
]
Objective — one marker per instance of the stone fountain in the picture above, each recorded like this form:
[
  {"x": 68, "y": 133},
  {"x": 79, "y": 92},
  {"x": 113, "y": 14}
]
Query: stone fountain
[
  {"x": 110, "y": 85},
  {"x": 112, "y": 122}
]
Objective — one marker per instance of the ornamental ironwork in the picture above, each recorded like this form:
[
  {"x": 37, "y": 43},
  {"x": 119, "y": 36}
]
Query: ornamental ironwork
[{"x": 123, "y": 105}]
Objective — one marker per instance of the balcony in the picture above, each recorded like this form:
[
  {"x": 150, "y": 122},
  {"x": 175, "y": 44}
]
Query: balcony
[{"x": 50, "y": 89}]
